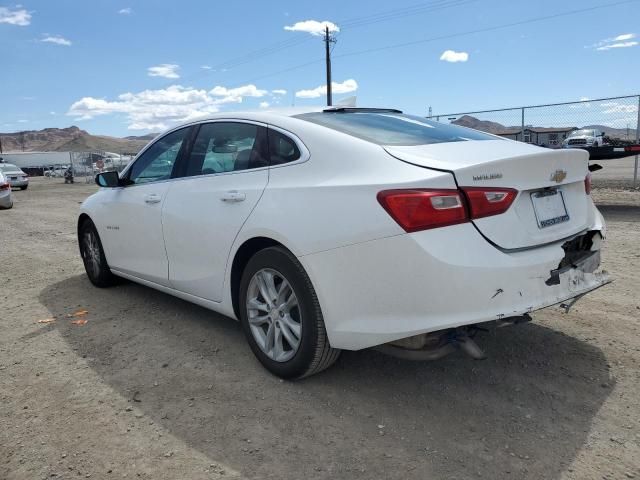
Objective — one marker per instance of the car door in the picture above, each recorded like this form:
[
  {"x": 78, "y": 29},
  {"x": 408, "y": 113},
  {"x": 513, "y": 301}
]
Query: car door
[
  {"x": 132, "y": 220},
  {"x": 222, "y": 180}
]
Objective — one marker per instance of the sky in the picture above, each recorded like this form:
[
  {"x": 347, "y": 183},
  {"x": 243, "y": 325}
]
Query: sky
[{"x": 130, "y": 67}]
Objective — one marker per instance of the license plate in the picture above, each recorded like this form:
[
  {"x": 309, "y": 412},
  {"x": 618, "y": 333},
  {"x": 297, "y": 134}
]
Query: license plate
[
  {"x": 14, "y": 178},
  {"x": 549, "y": 208}
]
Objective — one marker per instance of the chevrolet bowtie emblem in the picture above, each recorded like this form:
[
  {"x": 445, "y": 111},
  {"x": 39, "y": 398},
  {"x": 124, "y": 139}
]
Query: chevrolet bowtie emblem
[{"x": 558, "y": 176}]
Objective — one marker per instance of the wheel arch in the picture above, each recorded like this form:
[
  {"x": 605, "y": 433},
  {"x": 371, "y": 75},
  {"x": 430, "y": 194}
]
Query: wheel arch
[
  {"x": 81, "y": 220},
  {"x": 242, "y": 256}
]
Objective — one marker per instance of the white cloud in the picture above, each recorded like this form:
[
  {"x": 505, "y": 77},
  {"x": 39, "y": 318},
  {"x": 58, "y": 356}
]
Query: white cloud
[
  {"x": 617, "y": 45},
  {"x": 264, "y": 104},
  {"x": 165, "y": 70},
  {"x": 454, "y": 57},
  {"x": 125, "y": 11},
  {"x": 239, "y": 92},
  {"x": 52, "y": 113},
  {"x": 345, "y": 87},
  {"x": 279, "y": 91},
  {"x": 619, "y": 107},
  {"x": 313, "y": 27},
  {"x": 19, "y": 16},
  {"x": 624, "y": 40},
  {"x": 624, "y": 36},
  {"x": 205, "y": 67},
  {"x": 158, "y": 109},
  {"x": 22, "y": 120},
  {"x": 56, "y": 39}
]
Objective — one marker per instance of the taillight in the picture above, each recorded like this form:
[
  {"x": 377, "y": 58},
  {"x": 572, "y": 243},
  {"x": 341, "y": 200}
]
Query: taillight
[
  {"x": 5, "y": 186},
  {"x": 484, "y": 201},
  {"x": 587, "y": 184},
  {"x": 416, "y": 210}
]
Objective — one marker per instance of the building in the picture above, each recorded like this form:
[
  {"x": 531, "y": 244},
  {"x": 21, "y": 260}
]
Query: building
[{"x": 547, "y": 137}]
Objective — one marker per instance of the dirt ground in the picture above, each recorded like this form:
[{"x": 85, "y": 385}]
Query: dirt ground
[{"x": 152, "y": 387}]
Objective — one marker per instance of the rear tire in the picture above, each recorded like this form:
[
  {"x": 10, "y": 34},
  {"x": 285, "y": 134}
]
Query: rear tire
[
  {"x": 24, "y": 188},
  {"x": 95, "y": 263},
  {"x": 290, "y": 318}
]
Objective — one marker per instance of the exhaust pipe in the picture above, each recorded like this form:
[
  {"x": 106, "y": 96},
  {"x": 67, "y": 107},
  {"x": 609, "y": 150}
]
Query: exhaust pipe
[{"x": 417, "y": 348}]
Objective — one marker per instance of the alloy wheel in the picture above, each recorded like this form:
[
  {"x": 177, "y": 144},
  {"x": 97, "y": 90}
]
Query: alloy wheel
[{"x": 274, "y": 315}]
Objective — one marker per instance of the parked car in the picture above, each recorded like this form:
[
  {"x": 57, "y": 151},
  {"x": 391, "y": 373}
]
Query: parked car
[
  {"x": 16, "y": 177},
  {"x": 6, "y": 200},
  {"x": 56, "y": 172},
  {"x": 584, "y": 138},
  {"x": 347, "y": 228}
]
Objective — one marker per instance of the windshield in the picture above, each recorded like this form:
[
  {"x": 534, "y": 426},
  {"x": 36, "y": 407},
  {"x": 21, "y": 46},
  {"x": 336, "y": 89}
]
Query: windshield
[
  {"x": 588, "y": 133},
  {"x": 393, "y": 128}
]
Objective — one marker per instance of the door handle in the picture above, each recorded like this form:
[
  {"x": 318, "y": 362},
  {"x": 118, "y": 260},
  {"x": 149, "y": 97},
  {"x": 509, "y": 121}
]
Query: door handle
[
  {"x": 152, "y": 198},
  {"x": 233, "y": 196}
]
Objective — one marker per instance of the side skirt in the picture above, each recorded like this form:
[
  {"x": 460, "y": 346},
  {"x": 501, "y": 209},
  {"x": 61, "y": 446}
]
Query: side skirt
[{"x": 217, "y": 307}]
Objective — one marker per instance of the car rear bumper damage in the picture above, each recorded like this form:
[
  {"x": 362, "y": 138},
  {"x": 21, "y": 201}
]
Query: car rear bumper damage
[{"x": 442, "y": 279}]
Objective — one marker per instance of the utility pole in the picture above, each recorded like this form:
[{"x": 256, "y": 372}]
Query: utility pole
[{"x": 328, "y": 39}]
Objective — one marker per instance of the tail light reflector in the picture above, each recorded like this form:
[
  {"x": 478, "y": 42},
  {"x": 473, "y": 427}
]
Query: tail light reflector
[
  {"x": 5, "y": 186},
  {"x": 416, "y": 210},
  {"x": 485, "y": 202},
  {"x": 587, "y": 184}
]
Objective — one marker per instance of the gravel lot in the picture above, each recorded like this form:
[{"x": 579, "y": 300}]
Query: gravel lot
[{"x": 153, "y": 387}]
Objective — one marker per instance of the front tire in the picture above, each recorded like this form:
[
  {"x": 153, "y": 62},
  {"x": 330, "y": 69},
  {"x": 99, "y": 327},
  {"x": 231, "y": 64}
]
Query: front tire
[
  {"x": 95, "y": 263},
  {"x": 281, "y": 316}
]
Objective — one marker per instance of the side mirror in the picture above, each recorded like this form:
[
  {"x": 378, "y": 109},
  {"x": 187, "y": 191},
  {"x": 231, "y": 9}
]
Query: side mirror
[{"x": 108, "y": 179}]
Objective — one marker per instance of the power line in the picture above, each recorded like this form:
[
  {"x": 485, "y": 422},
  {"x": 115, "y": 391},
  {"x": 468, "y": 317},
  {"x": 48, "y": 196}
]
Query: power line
[
  {"x": 347, "y": 24},
  {"x": 442, "y": 37},
  {"x": 483, "y": 30}
]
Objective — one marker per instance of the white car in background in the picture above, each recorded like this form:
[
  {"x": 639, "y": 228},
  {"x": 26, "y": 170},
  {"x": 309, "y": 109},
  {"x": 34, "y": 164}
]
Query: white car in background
[
  {"x": 584, "y": 138},
  {"x": 348, "y": 228},
  {"x": 16, "y": 177},
  {"x": 6, "y": 200}
]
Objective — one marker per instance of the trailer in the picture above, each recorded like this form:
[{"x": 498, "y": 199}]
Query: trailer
[{"x": 612, "y": 152}]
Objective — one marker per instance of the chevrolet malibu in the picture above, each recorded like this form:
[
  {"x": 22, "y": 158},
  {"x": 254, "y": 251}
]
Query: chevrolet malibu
[{"x": 348, "y": 228}]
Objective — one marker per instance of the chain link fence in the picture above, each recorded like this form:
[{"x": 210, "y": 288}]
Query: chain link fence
[
  {"x": 84, "y": 166},
  {"x": 612, "y": 121}
]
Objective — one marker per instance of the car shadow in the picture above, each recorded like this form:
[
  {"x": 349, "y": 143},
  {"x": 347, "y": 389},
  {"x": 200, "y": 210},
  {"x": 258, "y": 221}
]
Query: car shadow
[{"x": 524, "y": 412}]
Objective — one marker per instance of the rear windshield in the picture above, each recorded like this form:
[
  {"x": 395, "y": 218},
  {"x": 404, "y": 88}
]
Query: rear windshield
[
  {"x": 393, "y": 128},
  {"x": 7, "y": 167}
]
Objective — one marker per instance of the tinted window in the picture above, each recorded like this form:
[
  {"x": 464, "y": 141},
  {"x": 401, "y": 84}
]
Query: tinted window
[
  {"x": 157, "y": 162},
  {"x": 227, "y": 147},
  {"x": 282, "y": 149},
  {"x": 393, "y": 128}
]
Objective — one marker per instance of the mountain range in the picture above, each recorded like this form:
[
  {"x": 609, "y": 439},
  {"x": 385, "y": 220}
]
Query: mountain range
[
  {"x": 71, "y": 139},
  {"x": 496, "y": 128}
]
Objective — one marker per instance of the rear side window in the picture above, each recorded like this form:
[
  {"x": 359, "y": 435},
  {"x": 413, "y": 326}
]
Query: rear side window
[
  {"x": 393, "y": 128},
  {"x": 222, "y": 147},
  {"x": 282, "y": 149}
]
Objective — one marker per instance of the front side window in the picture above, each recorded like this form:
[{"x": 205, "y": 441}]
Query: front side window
[
  {"x": 222, "y": 147},
  {"x": 157, "y": 162}
]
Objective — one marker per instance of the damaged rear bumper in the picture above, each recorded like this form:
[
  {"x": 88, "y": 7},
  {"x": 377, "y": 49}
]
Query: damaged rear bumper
[{"x": 401, "y": 286}]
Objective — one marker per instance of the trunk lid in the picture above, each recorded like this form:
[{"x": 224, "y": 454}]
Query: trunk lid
[{"x": 550, "y": 183}]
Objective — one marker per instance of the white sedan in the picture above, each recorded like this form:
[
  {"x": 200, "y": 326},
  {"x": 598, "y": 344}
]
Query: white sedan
[
  {"x": 348, "y": 228},
  {"x": 5, "y": 192}
]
